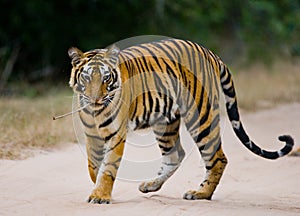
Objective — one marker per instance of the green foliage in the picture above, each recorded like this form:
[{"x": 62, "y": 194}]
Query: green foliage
[
  {"x": 271, "y": 26},
  {"x": 44, "y": 30}
]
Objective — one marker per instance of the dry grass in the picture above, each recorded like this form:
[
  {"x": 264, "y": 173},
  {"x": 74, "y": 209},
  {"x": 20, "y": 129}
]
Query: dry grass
[
  {"x": 27, "y": 125},
  {"x": 261, "y": 87}
]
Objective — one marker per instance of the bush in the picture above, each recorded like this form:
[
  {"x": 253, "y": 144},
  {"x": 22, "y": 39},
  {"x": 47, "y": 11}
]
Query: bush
[{"x": 40, "y": 32}]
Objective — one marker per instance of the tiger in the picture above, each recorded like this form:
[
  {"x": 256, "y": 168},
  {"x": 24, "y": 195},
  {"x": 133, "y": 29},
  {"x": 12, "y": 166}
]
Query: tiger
[{"x": 156, "y": 85}]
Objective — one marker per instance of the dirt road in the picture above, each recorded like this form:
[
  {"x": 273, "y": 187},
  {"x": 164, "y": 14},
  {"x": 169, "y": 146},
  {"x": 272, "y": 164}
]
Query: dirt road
[{"x": 57, "y": 183}]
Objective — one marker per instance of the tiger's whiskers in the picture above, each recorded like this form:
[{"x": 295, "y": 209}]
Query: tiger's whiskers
[
  {"x": 109, "y": 94},
  {"x": 106, "y": 97},
  {"x": 70, "y": 113}
]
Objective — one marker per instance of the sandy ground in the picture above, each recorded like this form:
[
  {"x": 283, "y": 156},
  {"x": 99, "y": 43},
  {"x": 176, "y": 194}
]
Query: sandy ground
[{"x": 57, "y": 183}]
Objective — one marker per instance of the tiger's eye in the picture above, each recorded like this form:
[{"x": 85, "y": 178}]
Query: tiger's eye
[
  {"x": 86, "y": 77},
  {"x": 106, "y": 78}
]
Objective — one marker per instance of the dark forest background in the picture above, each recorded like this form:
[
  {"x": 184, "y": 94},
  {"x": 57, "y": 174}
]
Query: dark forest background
[{"x": 36, "y": 34}]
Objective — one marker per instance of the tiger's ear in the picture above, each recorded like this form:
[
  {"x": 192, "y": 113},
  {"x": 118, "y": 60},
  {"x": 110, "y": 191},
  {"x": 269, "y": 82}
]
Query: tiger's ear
[
  {"x": 112, "y": 52},
  {"x": 76, "y": 55}
]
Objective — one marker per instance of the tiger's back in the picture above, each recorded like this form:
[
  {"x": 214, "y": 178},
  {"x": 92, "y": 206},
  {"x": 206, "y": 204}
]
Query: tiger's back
[{"x": 168, "y": 77}]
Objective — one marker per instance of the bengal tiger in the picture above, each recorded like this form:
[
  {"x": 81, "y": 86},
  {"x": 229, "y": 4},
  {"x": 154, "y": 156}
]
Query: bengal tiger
[{"x": 156, "y": 85}]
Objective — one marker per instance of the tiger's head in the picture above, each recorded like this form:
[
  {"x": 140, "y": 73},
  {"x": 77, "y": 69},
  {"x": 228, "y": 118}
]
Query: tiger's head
[{"x": 95, "y": 74}]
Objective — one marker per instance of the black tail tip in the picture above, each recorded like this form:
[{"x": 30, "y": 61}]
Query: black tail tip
[{"x": 287, "y": 139}]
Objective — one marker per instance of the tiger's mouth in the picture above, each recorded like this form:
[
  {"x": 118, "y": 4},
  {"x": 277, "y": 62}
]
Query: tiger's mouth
[{"x": 102, "y": 101}]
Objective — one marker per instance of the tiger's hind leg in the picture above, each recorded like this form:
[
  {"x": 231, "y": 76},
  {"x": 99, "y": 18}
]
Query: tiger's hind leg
[
  {"x": 214, "y": 159},
  {"x": 168, "y": 139},
  {"x": 214, "y": 170}
]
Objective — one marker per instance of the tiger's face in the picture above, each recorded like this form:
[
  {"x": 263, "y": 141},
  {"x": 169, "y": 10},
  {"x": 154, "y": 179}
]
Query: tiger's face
[{"x": 95, "y": 74}]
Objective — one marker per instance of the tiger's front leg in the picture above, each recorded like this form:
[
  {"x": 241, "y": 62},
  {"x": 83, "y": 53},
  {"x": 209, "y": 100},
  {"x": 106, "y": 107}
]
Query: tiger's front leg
[
  {"x": 95, "y": 153},
  {"x": 108, "y": 171},
  {"x": 94, "y": 144}
]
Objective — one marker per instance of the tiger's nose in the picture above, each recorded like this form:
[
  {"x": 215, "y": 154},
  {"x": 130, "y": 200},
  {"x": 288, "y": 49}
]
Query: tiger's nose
[{"x": 95, "y": 99}]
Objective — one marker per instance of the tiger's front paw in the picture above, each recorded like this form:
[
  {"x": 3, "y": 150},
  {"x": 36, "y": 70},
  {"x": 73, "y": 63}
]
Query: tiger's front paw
[
  {"x": 150, "y": 186},
  {"x": 99, "y": 198}
]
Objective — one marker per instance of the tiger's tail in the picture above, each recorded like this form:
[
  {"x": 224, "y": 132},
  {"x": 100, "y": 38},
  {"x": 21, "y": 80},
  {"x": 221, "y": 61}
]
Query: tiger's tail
[{"x": 233, "y": 114}]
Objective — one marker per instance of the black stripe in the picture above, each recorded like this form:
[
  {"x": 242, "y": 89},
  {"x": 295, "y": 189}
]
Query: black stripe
[
  {"x": 170, "y": 108},
  {"x": 110, "y": 174},
  {"x": 91, "y": 164},
  {"x": 101, "y": 138},
  {"x": 177, "y": 49},
  {"x": 145, "y": 88},
  {"x": 157, "y": 107},
  {"x": 174, "y": 52},
  {"x": 227, "y": 80},
  {"x": 110, "y": 136},
  {"x": 113, "y": 163},
  {"x": 97, "y": 157},
  {"x": 196, "y": 114},
  {"x": 229, "y": 92},
  {"x": 109, "y": 120},
  {"x": 160, "y": 46},
  {"x": 162, "y": 140},
  {"x": 163, "y": 134},
  {"x": 86, "y": 124},
  {"x": 169, "y": 68},
  {"x": 159, "y": 85},
  {"x": 141, "y": 66},
  {"x": 232, "y": 112},
  {"x": 150, "y": 100},
  {"x": 156, "y": 59},
  {"x": 146, "y": 64},
  {"x": 153, "y": 55},
  {"x": 212, "y": 142},
  {"x": 99, "y": 150},
  {"x": 86, "y": 111},
  {"x": 204, "y": 118},
  {"x": 135, "y": 109},
  {"x": 202, "y": 147},
  {"x": 222, "y": 160},
  {"x": 202, "y": 134},
  {"x": 145, "y": 95},
  {"x": 94, "y": 137},
  {"x": 165, "y": 98},
  {"x": 176, "y": 44},
  {"x": 165, "y": 149},
  {"x": 145, "y": 105}
]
